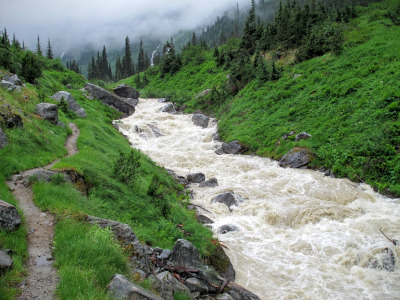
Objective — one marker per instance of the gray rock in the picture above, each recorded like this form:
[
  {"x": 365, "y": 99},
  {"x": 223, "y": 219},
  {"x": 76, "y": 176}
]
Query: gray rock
[
  {"x": 204, "y": 93},
  {"x": 47, "y": 111},
  {"x": 219, "y": 151},
  {"x": 226, "y": 198},
  {"x": 13, "y": 79},
  {"x": 168, "y": 279},
  {"x": 238, "y": 292},
  {"x": 227, "y": 228},
  {"x": 179, "y": 179},
  {"x": 296, "y": 158},
  {"x": 156, "y": 131},
  {"x": 164, "y": 254},
  {"x": 196, "y": 177},
  {"x": 204, "y": 219},
  {"x": 212, "y": 182},
  {"x": 5, "y": 261},
  {"x": 224, "y": 296},
  {"x": 9, "y": 216},
  {"x": 72, "y": 104},
  {"x": 163, "y": 100},
  {"x": 297, "y": 75},
  {"x": 200, "y": 120},
  {"x": 126, "y": 91},
  {"x": 196, "y": 285},
  {"x": 7, "y": 85},
  {"x": 121, "y": 104},
  {"x": 185, "y": 254},
  {"x": 121, "y": 288},
  {"x": 3, "y": 139},
  {"x": 132, "y": 101},
  {"x": 168, "y": 108},
  {"x": 302, "y": 136},
  {"x": 233, "y": 147}
]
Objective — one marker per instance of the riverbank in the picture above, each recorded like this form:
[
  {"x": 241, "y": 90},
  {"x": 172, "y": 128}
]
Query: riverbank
[{"x": 349, "y": 103}]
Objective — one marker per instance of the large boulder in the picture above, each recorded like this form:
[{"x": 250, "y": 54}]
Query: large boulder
[
  {"x": 296, "y": 158},
  {"x": 196, "y": 177},
  {"x": 5, "y": 261},
  {"x": 170, "y": 285},
  {"x": 221, "y": 263},
  {"x": 10, "y": 86},
  {"x": 185, "y": 254},
  {"x": 72, "y": 104},
  {"x": 225, "y": 198},
  {"x": 204, "y": 219},
  {"x": 123, "y": 105},
  {"x": 233, "y": 147},
  {"x": 47, "y": 111},
  {"x": 3, "y": 139},
  {"x": 121, "y": 288},
  {"x": 9, "y": 216},
  {"x": 126, "y": 91},
  {"x": 200, "y": 120},
  {"x": 13, "y": 79}
]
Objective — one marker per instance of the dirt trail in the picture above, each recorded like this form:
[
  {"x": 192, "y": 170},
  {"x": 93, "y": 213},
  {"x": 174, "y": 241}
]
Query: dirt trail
[{"x": 42, "y": 278}]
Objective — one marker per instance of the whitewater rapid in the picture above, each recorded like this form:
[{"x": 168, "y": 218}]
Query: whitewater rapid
[{"x": 301, "y": 235}]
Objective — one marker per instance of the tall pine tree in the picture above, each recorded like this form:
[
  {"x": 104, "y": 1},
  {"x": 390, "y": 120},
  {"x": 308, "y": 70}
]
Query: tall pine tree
[{"x": 49, "y": 53}]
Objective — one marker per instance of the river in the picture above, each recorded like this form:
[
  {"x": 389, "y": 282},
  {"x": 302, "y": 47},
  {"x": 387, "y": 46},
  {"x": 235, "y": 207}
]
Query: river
[{"x": 302, "y": 235}]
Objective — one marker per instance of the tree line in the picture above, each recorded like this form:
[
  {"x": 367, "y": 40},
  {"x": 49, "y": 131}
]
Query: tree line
[{"x": 100, "y": 68}]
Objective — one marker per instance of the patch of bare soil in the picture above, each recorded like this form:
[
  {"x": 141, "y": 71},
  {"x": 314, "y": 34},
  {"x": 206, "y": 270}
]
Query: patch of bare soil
[{"x": 42, "y": 277}]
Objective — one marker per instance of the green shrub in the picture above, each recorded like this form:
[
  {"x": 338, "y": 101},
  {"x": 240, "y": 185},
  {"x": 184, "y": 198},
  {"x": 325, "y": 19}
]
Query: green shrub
[{"x": 126, "y": 167}]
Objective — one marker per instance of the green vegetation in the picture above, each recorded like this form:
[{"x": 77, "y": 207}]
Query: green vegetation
[
  {"x": 348, "y": 102},
  {"x": 117, "y": 183}
]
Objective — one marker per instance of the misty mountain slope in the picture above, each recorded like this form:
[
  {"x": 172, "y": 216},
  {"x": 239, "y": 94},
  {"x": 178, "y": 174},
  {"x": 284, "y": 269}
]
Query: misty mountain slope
[{"x": 349, "y": 102}]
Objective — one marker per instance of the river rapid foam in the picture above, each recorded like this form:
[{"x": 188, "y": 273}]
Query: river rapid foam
[{"x": 301, "y": 235}]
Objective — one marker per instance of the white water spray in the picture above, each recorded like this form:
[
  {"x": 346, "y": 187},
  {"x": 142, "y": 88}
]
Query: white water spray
[{"x": 301, "y": 235}]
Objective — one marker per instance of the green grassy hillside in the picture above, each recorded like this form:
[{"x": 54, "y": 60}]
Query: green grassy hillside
[
  {"x": 349, "y": 103},
  {"x": 149, "y": 201}
]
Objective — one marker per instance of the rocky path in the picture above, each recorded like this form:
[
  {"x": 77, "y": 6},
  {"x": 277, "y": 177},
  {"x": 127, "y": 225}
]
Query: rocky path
[{"x": 42, "y": 278}]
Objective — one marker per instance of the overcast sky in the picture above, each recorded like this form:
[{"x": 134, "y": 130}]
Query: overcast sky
[{"x": 75, "y": 22}]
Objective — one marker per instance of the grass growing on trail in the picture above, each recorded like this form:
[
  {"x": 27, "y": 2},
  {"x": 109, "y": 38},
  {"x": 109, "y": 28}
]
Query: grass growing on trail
[{"x": 87, "y": 257}]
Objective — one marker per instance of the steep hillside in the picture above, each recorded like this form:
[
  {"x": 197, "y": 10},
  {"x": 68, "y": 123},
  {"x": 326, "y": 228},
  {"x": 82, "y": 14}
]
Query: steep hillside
[
  {"x": 348, "y": 102},
  {"x": 116, "y": 183}
]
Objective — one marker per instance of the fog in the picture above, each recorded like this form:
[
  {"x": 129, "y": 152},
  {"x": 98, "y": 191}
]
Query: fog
[{"x": 74, "y": 23}]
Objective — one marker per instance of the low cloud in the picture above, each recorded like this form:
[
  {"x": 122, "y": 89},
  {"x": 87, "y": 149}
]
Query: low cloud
[{"x": 74, "y": 23}]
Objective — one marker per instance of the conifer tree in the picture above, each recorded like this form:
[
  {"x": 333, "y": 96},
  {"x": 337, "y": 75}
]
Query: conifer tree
[
  {"x": 38, "y": 48},
  {"x": 141, "y": 66},
  {"x": 49, "y": 53},
  {"x": 194, "y": 41},
  {"x": 128, "y": 68}
]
